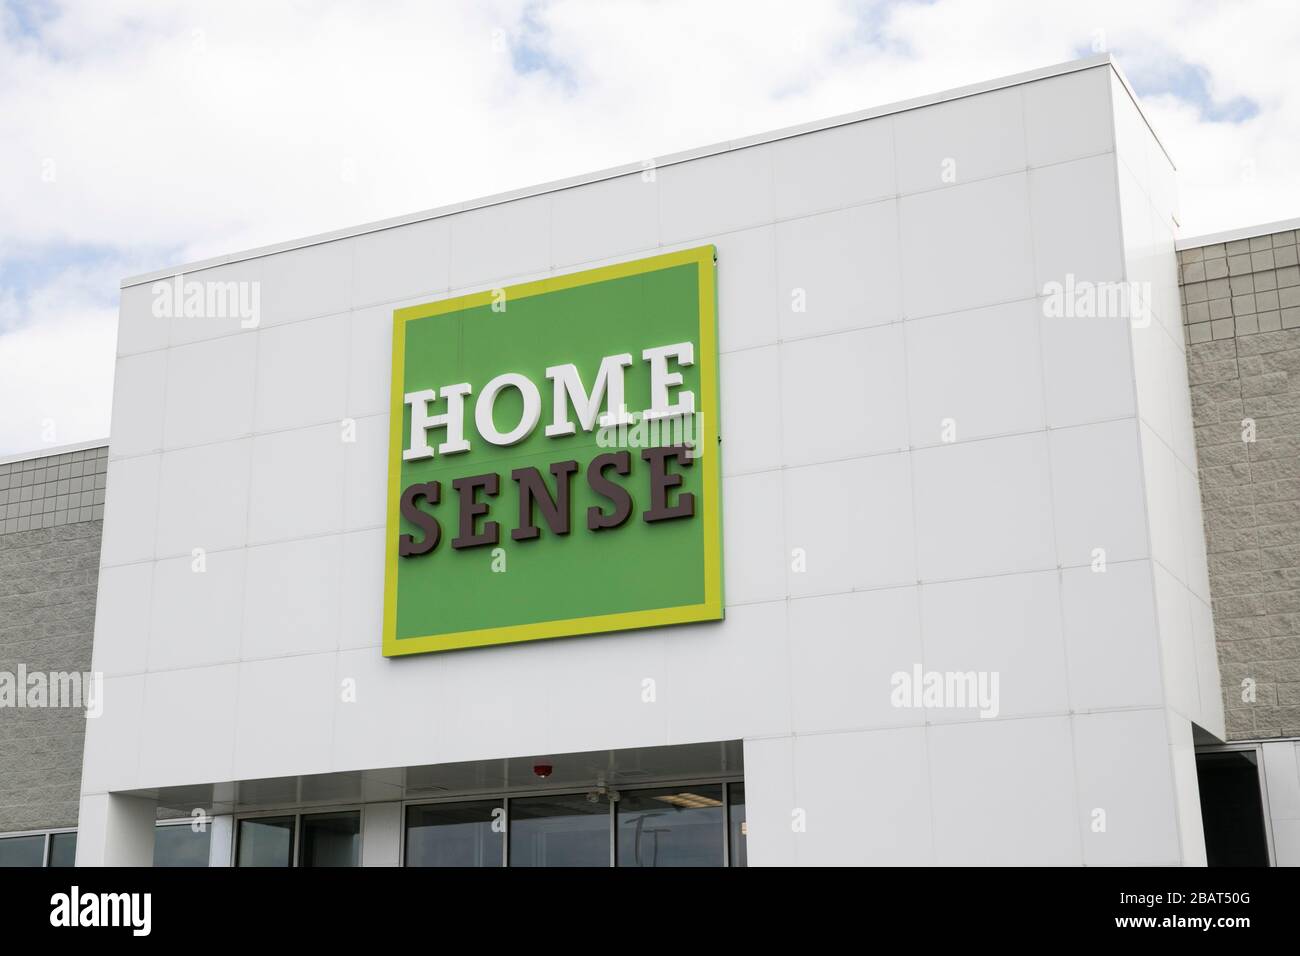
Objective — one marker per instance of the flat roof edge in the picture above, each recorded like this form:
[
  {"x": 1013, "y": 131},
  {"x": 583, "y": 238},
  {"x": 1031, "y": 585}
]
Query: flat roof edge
[
  {"x": 1243, "y": 232},
  {"x": 53, "y": 450},
  {"x": 902, "y": 106},
  {"x": 1137, "y": 103}
]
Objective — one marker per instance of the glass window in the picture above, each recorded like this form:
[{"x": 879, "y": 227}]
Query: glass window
[
  {"x": 266, "y": 841},
  {"x": 1232, "y": 813},
  {"x": 331, "y": 839},
  {"x": 736, "y": 839},
  {"x": 559, "y": 831},
  {"x": 23, "y": 850},
  {"x": 676, "y": 826},
  {"x": 179, "y": 845},
  {"x": 63, "y": 849},
  {"x": 455, "y": 834}
]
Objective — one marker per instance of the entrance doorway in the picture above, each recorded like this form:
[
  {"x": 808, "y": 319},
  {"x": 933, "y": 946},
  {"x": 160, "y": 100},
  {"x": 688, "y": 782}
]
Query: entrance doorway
[
  {"x": 698, "y": 824},
  {"x": 1232, "y": 807}
]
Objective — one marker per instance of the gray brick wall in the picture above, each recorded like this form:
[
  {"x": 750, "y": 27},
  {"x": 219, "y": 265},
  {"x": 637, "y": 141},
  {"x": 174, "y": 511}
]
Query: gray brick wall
[
  {"x": 48, "y": 575},
  {"x": 1241, "y": 312}
]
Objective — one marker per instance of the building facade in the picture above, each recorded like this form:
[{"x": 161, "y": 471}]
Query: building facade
[{"x": 968, "y": 584}]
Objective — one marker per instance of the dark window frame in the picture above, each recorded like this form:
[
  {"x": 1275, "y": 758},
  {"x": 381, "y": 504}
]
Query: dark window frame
[
  {"x": 47, "y": 845},
  {"x": 297, "y": 813}
]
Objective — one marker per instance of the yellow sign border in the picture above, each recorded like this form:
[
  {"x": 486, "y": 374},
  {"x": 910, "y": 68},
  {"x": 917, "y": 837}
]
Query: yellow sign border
[{"x": 710, "y": 610}]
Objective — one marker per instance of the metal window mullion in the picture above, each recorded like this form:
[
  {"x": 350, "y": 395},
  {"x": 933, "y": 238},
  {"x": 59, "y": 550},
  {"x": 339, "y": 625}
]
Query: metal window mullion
[
  {"x": 1265, "y": 811},
  {"x": 613, "y": 833},
  {"x": 401, "y": 834},
  {"x": 726, "y": 824},
  {"x": 505, "y": 834},
  {"x": 361, "y": 837}
]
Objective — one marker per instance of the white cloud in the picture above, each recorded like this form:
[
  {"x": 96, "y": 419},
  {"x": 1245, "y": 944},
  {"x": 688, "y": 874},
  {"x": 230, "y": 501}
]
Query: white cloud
[
  {"x": 210, "y": 128},
  {"x": 56, "y": 372}
]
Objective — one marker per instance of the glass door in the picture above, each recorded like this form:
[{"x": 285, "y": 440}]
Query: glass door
[
  {"x": 674, "y": 826},
  {"x": 265, "y": 841},
  {"x": 567, "y": 830}
]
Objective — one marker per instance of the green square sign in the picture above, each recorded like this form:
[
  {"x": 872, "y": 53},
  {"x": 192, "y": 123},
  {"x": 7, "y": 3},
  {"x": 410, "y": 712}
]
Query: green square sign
[{"x": 553, "y": 459}]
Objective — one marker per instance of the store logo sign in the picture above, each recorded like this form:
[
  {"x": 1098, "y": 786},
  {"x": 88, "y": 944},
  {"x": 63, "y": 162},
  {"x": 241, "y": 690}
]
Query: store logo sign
[{"x": 553, "y": 459}]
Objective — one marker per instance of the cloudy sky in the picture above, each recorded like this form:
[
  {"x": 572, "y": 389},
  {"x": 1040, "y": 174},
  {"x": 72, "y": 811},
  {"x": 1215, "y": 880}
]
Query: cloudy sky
[{"x": 139, "y": 134}]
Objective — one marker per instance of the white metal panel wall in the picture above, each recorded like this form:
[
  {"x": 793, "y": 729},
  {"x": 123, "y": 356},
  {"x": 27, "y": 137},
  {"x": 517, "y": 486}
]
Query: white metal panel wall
[
  {"x": 1148, "y": 201},
  {"x": 1149, "y": 209}
]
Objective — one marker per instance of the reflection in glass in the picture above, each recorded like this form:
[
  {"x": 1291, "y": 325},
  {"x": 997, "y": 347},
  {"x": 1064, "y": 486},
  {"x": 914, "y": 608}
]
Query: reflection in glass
[
  {"x": 565, "y": 830},
  {"x": 179, "y": 845},
  {"x": 455, "y": 834},
  {"x": 331, "y": 839},
  {"x": 677, "y": 826},
  {"x": 63, "y": 849},
  {"x": 23, "y": 851},
  {"x": 736, "y": 839},
  {"x": 266, "y": 841}
]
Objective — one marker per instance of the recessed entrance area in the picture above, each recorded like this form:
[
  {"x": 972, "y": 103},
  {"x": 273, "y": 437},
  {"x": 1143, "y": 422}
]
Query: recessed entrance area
[
  {"x": 648, "y": 807},
  {"x": 1232, "y": 806},
  {"x": 696, "y": 824}
]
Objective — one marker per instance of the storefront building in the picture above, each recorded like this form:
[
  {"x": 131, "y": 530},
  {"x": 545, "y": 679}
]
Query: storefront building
[{"x": 835, "y": 496}]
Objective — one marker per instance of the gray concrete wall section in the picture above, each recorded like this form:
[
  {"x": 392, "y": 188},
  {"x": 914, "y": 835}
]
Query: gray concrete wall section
[
  {"x": 1241, "y": 302},
  {"x": 49, "y": 561},
  {"x": 52, "y": 491}
]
